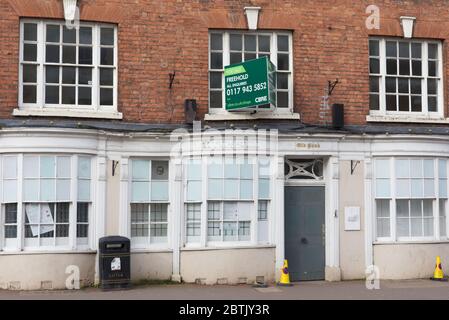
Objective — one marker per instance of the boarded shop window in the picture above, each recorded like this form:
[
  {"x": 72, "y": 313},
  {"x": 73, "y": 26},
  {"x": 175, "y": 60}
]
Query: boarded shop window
[
  {"x": 411, "y": 199},
  {"x": 405, "y": 77}
]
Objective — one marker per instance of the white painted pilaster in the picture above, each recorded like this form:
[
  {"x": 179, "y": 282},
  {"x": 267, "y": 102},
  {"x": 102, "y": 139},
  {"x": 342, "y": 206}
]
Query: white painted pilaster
[
  {"x": 278, "y": 212},
  {"x": 369, "y": 218},
  {"x": 124, "y": 225},
  {"x": 177, "y": 221}
]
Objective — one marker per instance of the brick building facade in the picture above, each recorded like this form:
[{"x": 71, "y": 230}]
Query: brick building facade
[{"x": 87, "y": 117}]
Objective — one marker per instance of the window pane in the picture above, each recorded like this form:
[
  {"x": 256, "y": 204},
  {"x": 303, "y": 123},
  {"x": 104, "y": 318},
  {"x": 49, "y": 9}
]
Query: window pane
[
  {"x": 106, "y": 97},
  {"x": 216, "y": 99},
  {"x": 158, "y": 212},
  {"x": 416, "y": 208},
  {"x": 416, "y": 227},
  {"x": 85, "y": 55},
  {"x": 282, "y": 80},
  {"x": 29, "y": 52},
  {"x": 282, "y": 99},
  {"x": 402, "y": 168},
  {"x": 84, "y": 96},
  {"x": 404, "y": 103},
  {"x": 84, "y": 167},
  {"x": 391, "y": 101},
  {"x": 141, "y": 170},
  {"x": 68, "y": 35},
  {"x": 106, "y": 77},
  {"x": 68, "y": 75},
  {"x": 432, "y": 104},
  {"x": 52, "y": 74},
  {"x": 107, "y": 56},
  {"x": 29, "y": 94},
  {"x": 69, "y": 54},
  {"x": 432, "y": 86},
  {"x": 29, "y": 73},
  {"x": 403, "y": 85},
  {"x": 68, "y": 95},
  {"x": 235, "y": 42},
  {"x": 374, "y": 102},
  {"x": 417, "y": 188},
  {"x": 159, "y": 190},
  {"x": 374, "y": 65},
  {"x": 31, "y": 190},
  {"x": 392, "y": 66},
  {"x": 107, "y": 36},
  {"x": 10, "y": 167},
  {"x": 403, "y": 188},
  {"x": 47, "y": 190},
  {"x": 52, "y": 94},
  {"x": 374, "y": 48},
  {"x": 215, "y": 80},
  {"x": 52, "y": 53},
  {"x": 442, "y": 168},
  {"x": 216, "y": 60},
  {"x": 246, "y": 189},
  {"x": 11, "y": 213},
  {"x": 264, "y": 188},
  {"x": 63, "y": 189},
  {"x": 216, "y": 41},
  {"x": 85, "y": 35},
  {"x": 432, "y": 68},
  {"x": 215, "y": 189},
  {"x": 391, "y": 49},
  {"x": 84, "y": 75},
  {"x": 404, "y": 49},
  {"x": 416, "y": 50},
  {"x": 283, "y": 63},
  {"x": 417, "y": 67},
  {"x": 235, "y": 57},
  {"x": 53, "y": 33},
  {"x": 283, "y": 43},
  {"x": 264, "y": 43},
  {"x": 404, "y": 67},
  {"x": 415, "y": 85},
  {"x": 63, "y": 167},
  {"x": 30, "y": 32},
  {"x": 193, "y": 190},
  {"x": 443, "y": 188},
  {"x": 390, "y": 85},
  {"x": 433, "y": 51},
  {"x": 402, "y": 209},
  {"x": 250, "y": 43},
  {"x": 231, "y": 189}
]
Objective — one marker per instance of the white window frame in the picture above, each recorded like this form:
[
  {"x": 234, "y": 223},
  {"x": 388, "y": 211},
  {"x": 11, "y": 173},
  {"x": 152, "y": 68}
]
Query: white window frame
[
  {"x": 203, "y": 241},
  {"x": 273, "y": 58},
  {"x": 40, "y": 108},
  {"x": 147, "y": 244},
  {"x": 424, "y": 114},
  {"x": 73, "y": 243},
  {"x": 392, "y": 198}
]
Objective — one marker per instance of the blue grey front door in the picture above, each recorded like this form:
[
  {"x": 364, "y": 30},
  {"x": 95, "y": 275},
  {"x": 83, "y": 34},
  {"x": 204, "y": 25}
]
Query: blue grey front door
[{"x": 304, "y": 232}]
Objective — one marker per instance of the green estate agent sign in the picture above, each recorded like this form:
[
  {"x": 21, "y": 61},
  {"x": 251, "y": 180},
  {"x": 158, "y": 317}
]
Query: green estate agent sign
[{"x": 250, "y": 84}]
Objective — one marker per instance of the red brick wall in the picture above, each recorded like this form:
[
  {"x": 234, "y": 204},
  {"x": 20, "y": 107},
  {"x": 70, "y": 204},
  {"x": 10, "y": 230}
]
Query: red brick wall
[{"x": 158, "y": 37}]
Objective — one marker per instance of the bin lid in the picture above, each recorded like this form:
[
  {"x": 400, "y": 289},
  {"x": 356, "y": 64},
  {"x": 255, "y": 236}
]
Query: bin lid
[{"x": 113, "y": 239}]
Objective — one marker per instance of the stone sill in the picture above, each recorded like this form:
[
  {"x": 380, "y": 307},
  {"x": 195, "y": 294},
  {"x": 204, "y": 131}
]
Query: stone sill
[
  {"x": 405, "y": 119},
  {"x": 429, "y": 242},
  {"x": 236, "y": 247},
  {"x": 247, "y": 116},
  {"x": 67, "y": 113}
]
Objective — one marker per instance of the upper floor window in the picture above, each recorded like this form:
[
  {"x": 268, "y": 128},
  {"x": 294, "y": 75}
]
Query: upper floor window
[
  {"x": 405, "y": 77},
  {"x": 230, "y": 47},
  {"x": 63, "y": 68}
]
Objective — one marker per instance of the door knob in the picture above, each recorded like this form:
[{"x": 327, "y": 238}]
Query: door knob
[{"x": 304, "y": 241}]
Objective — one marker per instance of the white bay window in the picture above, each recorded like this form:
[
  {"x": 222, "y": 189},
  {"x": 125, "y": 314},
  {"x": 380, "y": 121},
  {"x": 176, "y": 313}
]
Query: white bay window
[
  {"x": 411, "y": 199},
  {"x": 46, "y": 201}
]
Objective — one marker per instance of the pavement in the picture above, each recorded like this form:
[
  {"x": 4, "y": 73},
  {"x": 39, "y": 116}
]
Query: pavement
[{"x": 348, "y": 290}]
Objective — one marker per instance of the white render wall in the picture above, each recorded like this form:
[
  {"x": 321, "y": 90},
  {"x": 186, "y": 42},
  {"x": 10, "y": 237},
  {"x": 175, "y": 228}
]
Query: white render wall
[
  {"x": 228, "y": 266},
  {"x": 410, "y": 261},
  {"x": 44, "y": 270}
]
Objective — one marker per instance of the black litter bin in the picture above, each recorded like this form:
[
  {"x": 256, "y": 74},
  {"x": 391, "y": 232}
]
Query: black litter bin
[{"x": 114, "y": 263}]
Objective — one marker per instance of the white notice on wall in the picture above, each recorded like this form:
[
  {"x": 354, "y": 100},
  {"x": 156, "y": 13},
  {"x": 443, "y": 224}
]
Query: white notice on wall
[{"x": 352, "y": 218}]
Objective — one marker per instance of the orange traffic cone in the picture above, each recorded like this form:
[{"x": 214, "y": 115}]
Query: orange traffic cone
[
  {"x": 285, "y": 276},
  {"x": 438, "y": 274}
]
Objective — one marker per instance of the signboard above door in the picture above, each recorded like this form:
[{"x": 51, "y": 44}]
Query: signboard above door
[{"x": 250, "y": 85}]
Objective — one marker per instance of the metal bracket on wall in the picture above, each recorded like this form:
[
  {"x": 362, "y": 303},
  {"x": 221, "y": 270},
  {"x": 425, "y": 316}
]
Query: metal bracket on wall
[
  {"x": 331, "y": 86},
  {"x": 114, "y": 166},
  {"x": 354, "y": 165}
]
